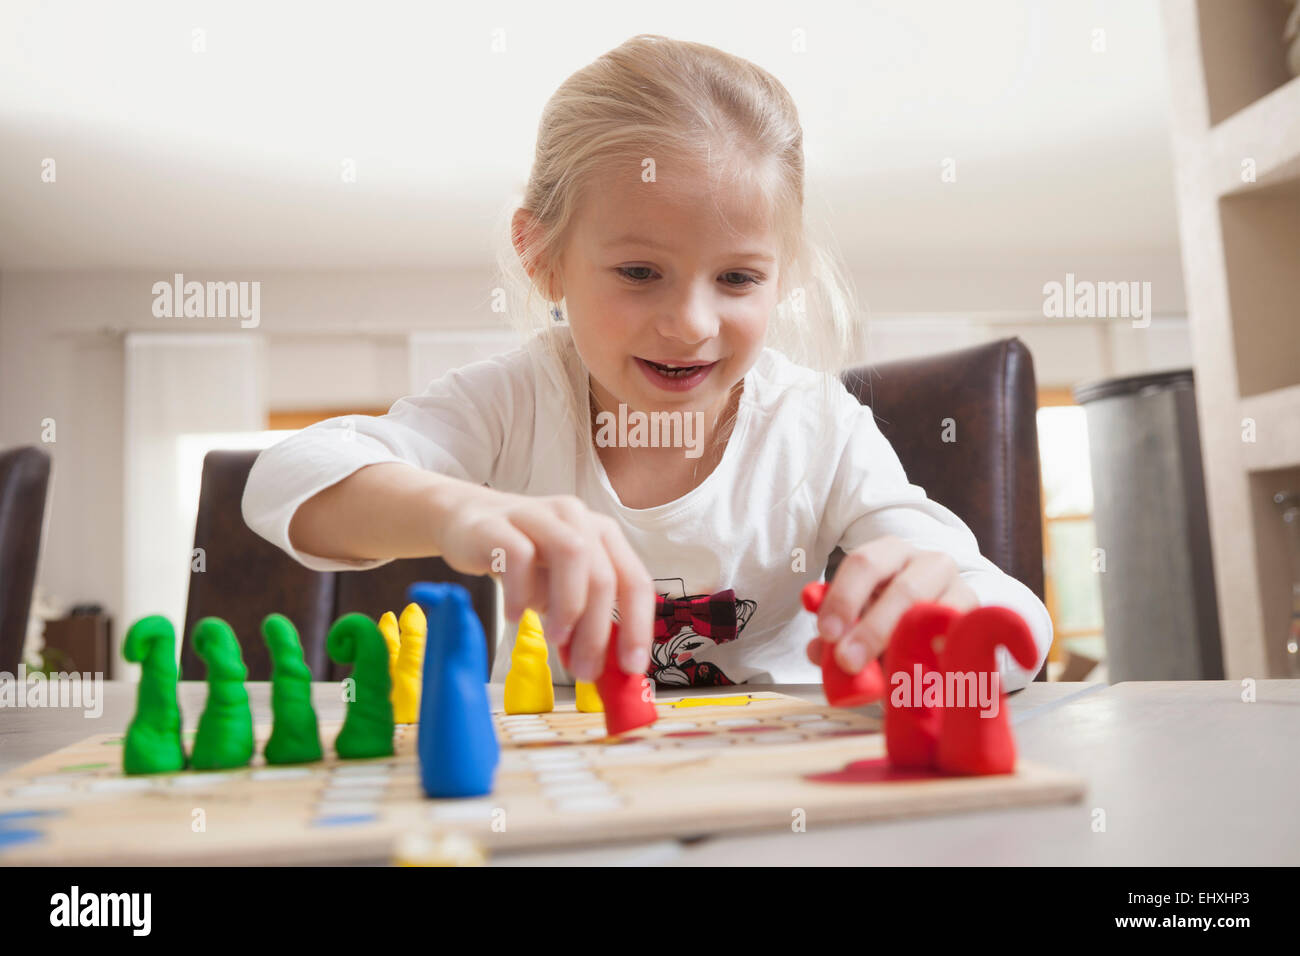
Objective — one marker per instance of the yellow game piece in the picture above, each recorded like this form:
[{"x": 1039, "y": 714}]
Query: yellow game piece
[
  {"x": 388, "y": 628},
  {"x": 588, "y": 698},
  {"x": 445, "y": 849},
  {"x": 528, "y": 685},
  {"x": 409, "y": 668}
]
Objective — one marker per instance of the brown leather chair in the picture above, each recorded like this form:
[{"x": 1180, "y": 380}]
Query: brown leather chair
[
  {"x": 247, "y": 577},
  {"x": 24, "y": 481},
  {"x": 989, "y": 477},
  {"x": 384, "y": 589}
]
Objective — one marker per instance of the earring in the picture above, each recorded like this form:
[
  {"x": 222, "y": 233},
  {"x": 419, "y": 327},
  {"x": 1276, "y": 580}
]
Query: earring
[{"x": 556, "y": 314}]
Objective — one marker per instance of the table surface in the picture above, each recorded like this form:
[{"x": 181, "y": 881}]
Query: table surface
[{"x": 1177, "y": 772}]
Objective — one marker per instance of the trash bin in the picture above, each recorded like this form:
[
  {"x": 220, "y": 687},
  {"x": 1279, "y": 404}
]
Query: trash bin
[{"x": 1157, "y": 589}]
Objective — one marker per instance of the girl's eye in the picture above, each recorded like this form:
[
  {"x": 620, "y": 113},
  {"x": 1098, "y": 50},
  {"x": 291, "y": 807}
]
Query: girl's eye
[{"x": 737, "y": 280}]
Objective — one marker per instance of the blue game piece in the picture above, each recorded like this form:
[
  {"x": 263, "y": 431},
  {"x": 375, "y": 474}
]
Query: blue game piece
[{"x": 457, "y": 742}]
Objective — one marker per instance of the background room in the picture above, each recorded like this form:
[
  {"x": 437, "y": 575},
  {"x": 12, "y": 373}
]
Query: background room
[{"x": 357, "y": 166}]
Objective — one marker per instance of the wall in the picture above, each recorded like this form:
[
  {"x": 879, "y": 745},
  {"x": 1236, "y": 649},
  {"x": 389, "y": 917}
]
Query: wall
[{"x": 331, "y": 338}]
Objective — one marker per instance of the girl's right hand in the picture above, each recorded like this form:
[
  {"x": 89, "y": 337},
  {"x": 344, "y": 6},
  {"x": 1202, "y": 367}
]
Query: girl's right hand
[{"x": 561, "y": 559}]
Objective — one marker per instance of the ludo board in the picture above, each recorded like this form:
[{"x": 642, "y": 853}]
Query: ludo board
[{"x": 710, "y": 764}]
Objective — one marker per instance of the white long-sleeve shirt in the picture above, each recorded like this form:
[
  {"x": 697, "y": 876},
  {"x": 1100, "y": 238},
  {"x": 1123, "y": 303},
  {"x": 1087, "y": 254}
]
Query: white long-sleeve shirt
[{"x": 750, "y": 526}]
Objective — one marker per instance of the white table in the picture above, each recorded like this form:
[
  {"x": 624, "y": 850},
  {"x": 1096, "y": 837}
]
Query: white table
[{"x": 1186, "y": 773}]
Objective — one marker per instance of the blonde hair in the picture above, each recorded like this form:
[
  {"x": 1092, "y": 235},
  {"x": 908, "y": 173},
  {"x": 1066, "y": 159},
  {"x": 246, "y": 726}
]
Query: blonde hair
[{"x": 658, "y": 97}]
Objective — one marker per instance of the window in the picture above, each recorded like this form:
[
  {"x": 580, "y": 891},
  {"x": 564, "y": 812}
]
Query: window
[
  {"x": 292, "y": 421},
  {"x": 1073, "y": 585}
]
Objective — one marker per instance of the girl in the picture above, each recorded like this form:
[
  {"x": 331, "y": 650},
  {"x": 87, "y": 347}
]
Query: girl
[{"x": 663, "y": 220}]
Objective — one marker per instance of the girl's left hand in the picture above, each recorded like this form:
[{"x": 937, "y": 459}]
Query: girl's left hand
[{"x": 873, "y": 586}]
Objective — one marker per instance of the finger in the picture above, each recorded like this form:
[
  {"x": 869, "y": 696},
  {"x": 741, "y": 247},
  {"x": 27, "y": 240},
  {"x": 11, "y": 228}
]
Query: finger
[
  {"x": 923, "y": 578},
  {"x": 815, "y": 650},
  {"x": 859, "y": 574},
  {"x": 520, "y": 559},
  {"x": 532, "y": 585},
  {"x": 959, "y": 596},
  {"x": 591, "y": 630},
  {"x": 591, "y": 634},
  {"x": 539, "y": 590},
  {"x": 636, "y": 600},
  {"x": 560, "y": 547}
]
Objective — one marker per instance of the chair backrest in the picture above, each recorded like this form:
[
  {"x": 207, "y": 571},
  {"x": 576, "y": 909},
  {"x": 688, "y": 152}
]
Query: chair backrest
[
  {"x": 989, "y": 476},
  {"x": 247, "y": 577},
  {"x": 384, "y": 589},
  {"x": 24, "y": 481}
]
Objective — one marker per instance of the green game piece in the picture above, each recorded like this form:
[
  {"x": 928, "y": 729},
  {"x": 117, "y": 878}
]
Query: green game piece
[
  {"x": 225, "y": 737},
  {"x": 153, "y": 740},
  {"x": 295, "y": 737},
  {"x": 368, "y": 728}
]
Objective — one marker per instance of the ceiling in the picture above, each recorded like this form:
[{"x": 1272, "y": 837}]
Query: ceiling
[{"x": 168, "y": 158}]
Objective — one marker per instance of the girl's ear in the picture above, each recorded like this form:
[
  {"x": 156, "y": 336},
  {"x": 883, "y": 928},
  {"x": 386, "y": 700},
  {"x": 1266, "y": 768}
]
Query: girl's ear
[
  {"x": 526, "y": 236},
  {"x": 523, "y": 230}
]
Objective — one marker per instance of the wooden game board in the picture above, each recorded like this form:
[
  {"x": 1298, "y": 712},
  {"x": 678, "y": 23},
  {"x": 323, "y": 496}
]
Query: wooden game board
[{"x": 725, "y": 762}]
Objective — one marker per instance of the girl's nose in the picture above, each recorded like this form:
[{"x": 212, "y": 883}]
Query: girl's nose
[{"x": 690, "y": 319}]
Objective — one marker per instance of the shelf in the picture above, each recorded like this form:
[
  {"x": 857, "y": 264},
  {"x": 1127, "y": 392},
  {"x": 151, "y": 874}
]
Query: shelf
[
  {"x": 1273, "y": 563},
  {"x": 1261, "y": 255},
  {"x": 1266, "y": 132},
  {"x": 1242, "y": 51},
  {"x": 1232, "y": 100},
  {"x": 1277, "y": 430}
]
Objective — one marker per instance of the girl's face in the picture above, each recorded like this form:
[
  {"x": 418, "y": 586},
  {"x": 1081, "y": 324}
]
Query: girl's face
[{"x": 657, "y": 275}]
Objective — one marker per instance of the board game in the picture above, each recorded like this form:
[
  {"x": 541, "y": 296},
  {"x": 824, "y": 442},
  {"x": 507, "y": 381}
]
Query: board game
[{"x": 710, "y": 764}]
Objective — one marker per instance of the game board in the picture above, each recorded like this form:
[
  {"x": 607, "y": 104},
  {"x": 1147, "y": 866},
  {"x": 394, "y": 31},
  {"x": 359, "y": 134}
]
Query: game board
[{"x": 726, "y": 762}]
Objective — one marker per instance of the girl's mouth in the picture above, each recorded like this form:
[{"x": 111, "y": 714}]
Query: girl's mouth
[{"x": 675, "y": 377}]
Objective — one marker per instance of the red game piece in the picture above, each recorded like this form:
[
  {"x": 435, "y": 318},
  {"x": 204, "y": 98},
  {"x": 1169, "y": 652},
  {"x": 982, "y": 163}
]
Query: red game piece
[
  {"x": 628, "y": 698},
  {"x": 812, "y": 595},
  {"x": 912, "y": 730},
  {"x": 970, "y": 742},
  {"x": 842, "y": 688},
  {"x": 850, "y": 690}
]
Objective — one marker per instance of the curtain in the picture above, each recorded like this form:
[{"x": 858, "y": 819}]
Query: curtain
[{"x": 184, "y": 393}]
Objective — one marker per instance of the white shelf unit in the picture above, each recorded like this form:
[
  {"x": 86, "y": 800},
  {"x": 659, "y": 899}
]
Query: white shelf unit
[{"x": 1235, "y": 117}]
